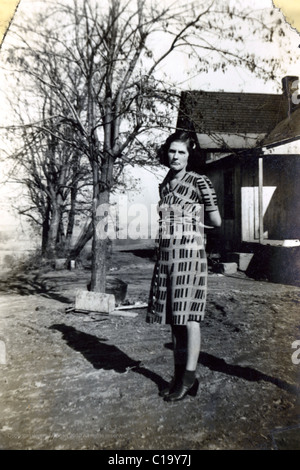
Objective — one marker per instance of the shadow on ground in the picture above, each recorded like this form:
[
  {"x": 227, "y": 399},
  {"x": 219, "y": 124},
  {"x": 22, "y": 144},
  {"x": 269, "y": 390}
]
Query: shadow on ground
[
  {"x": 246, "y": 373},
  {"x": 108, "y": 357},
  {"x": 104, "y": 356},
  {"x": 24, "y": 284}
]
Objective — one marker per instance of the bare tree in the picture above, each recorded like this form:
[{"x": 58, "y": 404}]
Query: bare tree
[
  {"x": 53, "y": 173},
  {"x": 101, "y": 61}
]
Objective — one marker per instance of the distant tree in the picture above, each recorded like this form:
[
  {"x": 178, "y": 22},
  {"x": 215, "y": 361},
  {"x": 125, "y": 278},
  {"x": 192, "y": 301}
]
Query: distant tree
[
  {"x": 53, "y": 173},
  {"x": 101, "y": 61}
]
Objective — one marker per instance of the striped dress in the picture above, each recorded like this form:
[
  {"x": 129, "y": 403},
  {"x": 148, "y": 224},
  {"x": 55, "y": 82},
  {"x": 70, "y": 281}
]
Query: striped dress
[{"x": 178, "y": 287}]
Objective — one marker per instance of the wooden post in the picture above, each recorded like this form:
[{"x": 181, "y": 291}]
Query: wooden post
[{"x": 260, "y": 200}]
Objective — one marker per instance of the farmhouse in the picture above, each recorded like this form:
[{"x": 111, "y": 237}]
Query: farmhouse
[{"x": 249, "y": 146}]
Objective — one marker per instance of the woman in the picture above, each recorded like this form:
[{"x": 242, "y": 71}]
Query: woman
[{"x": 178, "y": 289}]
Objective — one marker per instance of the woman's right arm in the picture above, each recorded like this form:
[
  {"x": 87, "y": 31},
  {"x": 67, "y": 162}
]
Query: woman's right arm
[{"x": 213, "y": 219}]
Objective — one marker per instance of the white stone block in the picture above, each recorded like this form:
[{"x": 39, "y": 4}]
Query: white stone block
[
  {"x": 242, "y": 259},
  {"x": 228, "y": 268},
  {"x": 94, "y": 302}
]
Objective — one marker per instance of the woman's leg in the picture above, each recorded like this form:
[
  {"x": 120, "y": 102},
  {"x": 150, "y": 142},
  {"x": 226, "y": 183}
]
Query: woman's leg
[
  {"x": 179, "y": 337},
  {"x": 187, "y": 343},
  {"x": 179, "y": 358},
  {"x": 193, "y": 344}
]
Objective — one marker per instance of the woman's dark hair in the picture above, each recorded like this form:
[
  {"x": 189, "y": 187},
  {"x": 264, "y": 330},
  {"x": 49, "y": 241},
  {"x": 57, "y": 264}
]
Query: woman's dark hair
[{"x": 180, "y": 136}]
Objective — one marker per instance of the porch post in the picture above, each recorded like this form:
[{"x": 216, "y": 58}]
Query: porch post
[{"x": 260, "y": 200}]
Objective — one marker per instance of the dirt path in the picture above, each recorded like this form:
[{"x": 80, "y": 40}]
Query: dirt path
[{"x": 74, "y": 381}]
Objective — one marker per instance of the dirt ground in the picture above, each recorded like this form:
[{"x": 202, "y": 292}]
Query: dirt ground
[{"x": 76, "y": 381}]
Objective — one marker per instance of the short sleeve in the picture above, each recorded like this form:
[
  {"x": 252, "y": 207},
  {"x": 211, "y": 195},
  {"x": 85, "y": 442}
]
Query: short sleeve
[{"x": 208, "y": 194}]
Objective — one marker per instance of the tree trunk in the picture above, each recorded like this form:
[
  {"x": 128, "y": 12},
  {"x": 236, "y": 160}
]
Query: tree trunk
[
  {"x": 99, "y": 264},
  {"x": 81, "y": 242},
  {"x": 71, "y": 220},
  {"x": 101, "y": 243},
  {"x": 61, "y": 239},
  {"x": 45, "y": 229},
  {"x": 53, "y": 230}
]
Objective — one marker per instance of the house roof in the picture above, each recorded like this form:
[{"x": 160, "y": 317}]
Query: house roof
[
  {"x": 232, "y": 113},
  {"x": 285, "y": 131}
]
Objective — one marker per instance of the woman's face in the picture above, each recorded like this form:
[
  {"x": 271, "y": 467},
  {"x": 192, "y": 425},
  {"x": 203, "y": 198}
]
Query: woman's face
[{"x": 178, "y": 156}]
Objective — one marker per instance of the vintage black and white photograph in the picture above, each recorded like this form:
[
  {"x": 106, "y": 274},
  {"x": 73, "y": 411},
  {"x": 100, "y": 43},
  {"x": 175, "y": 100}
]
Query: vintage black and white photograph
[{"x": 149, "y": 227}]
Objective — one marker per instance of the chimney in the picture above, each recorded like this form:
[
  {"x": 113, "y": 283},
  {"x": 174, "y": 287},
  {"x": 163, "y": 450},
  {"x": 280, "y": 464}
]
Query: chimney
[{"x": 290, "y": 91}]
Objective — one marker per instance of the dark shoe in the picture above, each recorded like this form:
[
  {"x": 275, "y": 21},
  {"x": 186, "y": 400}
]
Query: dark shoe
[
  {"x": 167, "y": 390},
  {"x": 181, "y": 391}
]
